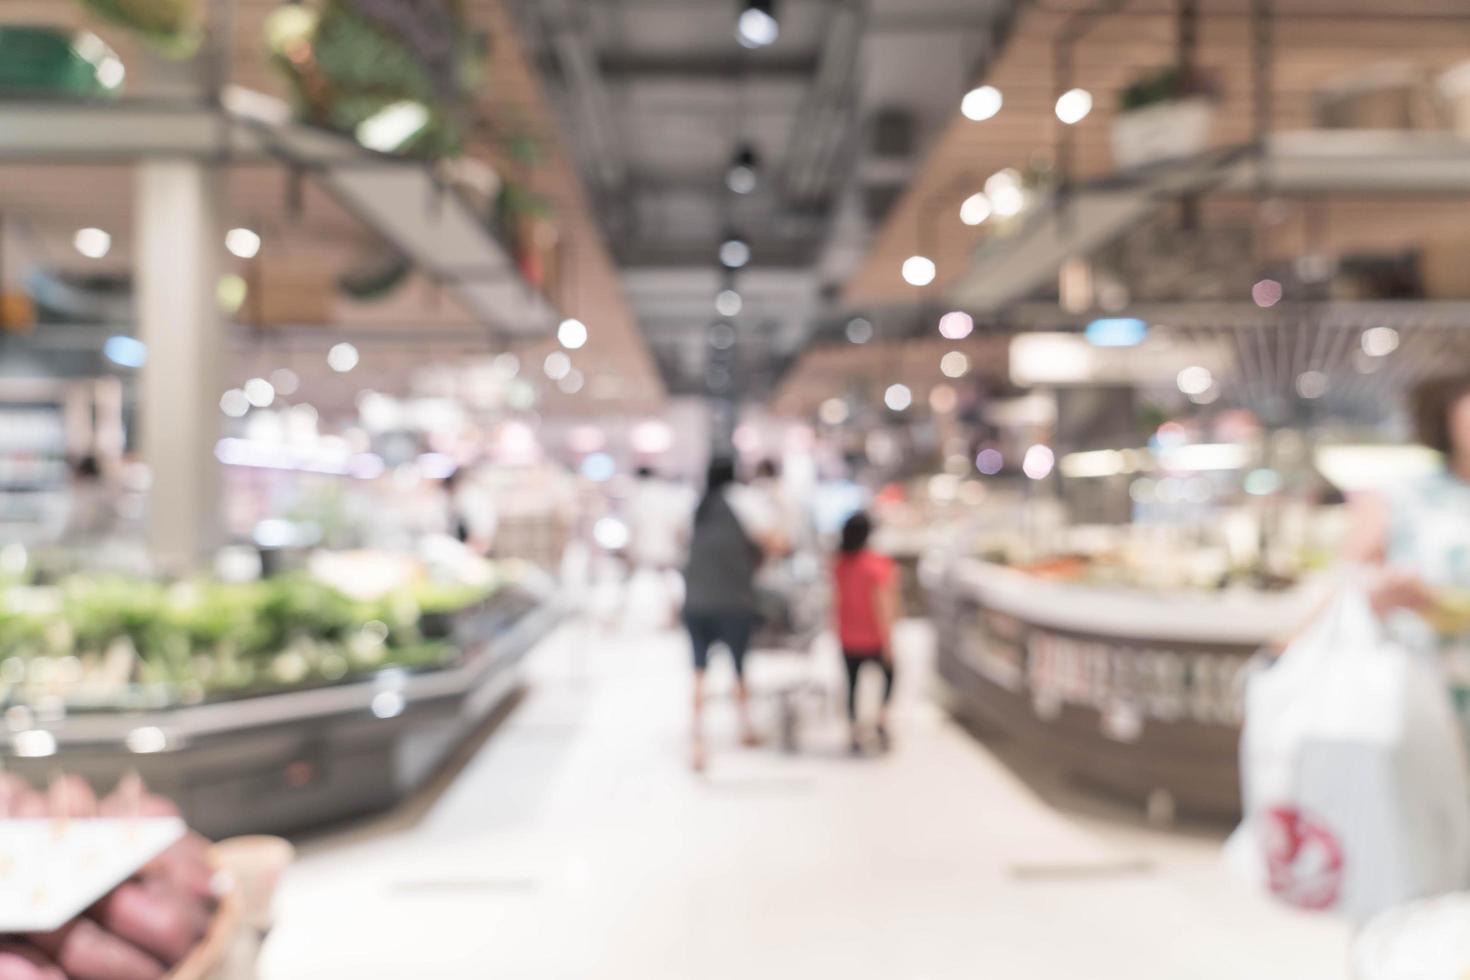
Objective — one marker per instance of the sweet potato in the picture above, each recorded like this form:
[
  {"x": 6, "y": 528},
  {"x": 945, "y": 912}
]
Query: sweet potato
[
  {"x": 18, "y": 800},
  {"x": 21, "y": 962},
  {"x": 88, "y": 952},
  {"x": 199, "y": 912},
  {"x": 152, "y": 920},
  {"x": 131, "y": 799},
  {"x": 72, "y": 796},
  {"x": 186, "y": 867}
]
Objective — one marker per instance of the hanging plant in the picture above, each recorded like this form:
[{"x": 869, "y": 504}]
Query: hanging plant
[
  {"x": 1169, "y": 84},
  {"x": 397, "y": 75},
  {"x": 375, "y": 280},
  {"x": 172, "y": 27},
  {"x": 518, "y": 212}
]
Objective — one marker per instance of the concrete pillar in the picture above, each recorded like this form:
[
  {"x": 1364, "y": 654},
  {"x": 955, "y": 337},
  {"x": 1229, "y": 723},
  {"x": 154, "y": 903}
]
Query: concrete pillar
[{"x": 176, "y": 275}]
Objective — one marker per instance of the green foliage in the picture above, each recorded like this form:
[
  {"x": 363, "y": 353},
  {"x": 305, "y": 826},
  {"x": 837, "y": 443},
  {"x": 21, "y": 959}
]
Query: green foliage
[
  {"x": 42, "y": 61},
  {"x": 212, "y": 639},
  {"x": 377, "y": 280},
  {"x": 352, "y": 69},
  {"x": 1166, "y": 85},
  {"x": 171, "y": 27}
]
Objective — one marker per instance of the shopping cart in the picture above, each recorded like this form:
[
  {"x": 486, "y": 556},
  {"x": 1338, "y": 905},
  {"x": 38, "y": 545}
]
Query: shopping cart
[{"x": 795, "y": 603}]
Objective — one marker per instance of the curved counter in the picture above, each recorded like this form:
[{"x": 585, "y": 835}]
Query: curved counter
[
  {"x": 284, "y": 762},
  {"x": 1133, "y": 693}
]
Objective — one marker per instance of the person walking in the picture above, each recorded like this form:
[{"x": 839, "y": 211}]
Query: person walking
[
  {"x": 1413, "y": 539},
  {"x": 868, "y": 604},
  {"x": 730, "y": 538},
  {"x": 658, "y": 513}
]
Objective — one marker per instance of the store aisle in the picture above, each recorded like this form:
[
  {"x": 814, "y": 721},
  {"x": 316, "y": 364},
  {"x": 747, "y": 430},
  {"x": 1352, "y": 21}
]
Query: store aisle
[{"x": 577, "y": 844}]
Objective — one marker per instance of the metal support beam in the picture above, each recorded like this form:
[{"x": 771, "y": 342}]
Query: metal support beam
[
  {"x": 597, "y": 137},
  {"x": 622, "y": 68},
  {"x": 1073, "y": 31},
  {"x": 1187, "y": 63},
  {"x": 828, "y": 120},
  {"x": 1262, "y": 96}
]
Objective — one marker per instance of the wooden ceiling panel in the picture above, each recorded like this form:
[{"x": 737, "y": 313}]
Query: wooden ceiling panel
[{"x": 1315, "y": 45}]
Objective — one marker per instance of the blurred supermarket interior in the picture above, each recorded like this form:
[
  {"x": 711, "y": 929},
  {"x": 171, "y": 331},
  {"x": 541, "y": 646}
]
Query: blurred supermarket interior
[{"x": 403, "y": 401}]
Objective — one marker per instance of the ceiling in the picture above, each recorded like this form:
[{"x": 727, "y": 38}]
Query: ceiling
[
  {"x": 1314, "y": 45},
  {"x": 657, "y": 96}
]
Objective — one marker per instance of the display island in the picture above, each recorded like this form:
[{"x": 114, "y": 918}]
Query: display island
[{"x": 1129, "y": 691}]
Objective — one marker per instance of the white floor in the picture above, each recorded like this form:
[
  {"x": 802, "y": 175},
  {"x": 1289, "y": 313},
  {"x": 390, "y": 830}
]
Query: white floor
[{"x": 576, "y": 843}]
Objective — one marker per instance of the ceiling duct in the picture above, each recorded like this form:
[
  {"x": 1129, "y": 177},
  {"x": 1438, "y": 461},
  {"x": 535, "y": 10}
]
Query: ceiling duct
[{"x": 893, "y": 134}]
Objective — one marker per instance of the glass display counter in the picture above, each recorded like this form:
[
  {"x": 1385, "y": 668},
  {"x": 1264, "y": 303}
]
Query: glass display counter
[
  {"x": 1133, "y": 692},
  {"x": 286, "y": 757}
]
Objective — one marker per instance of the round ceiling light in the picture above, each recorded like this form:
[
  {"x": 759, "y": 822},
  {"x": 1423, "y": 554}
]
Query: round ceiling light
[
  {"x": 980, "y": 104},
  {"x": 976, "y": 209},
  {"x": 956, "y": 326},
  {"x": 919, "y": 270},
  {"x": 757, "y": 26},
  {"x": 572, "y": 334},
  {"x": 1074, "y": 105},
  {"x": 729, "y": 303},
  {"x": 734, "y": 252}
]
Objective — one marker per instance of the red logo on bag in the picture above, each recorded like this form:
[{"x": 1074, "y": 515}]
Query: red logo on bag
[{"x": 1303, "y": 858}]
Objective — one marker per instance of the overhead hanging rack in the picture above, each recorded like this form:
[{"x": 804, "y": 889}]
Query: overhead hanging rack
[{"x": 402, "y": 200}]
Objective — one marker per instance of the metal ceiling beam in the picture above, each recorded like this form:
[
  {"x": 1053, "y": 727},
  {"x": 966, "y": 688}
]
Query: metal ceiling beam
[
  {"x": 621, "y": 67},
  {"x": 595, "y": 131},
  {"x": 697, "y": 255},
  {"x": 829, "y": 120}
]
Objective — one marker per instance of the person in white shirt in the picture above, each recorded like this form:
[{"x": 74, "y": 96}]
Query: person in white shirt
[{"x": 658, "y": 513}]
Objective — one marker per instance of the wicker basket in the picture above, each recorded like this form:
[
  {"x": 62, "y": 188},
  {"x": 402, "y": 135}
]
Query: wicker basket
[{"x": 210, "y": 956}]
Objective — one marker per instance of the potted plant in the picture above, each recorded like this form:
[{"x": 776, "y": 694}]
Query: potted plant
[{"x": 1165, "y": 115}]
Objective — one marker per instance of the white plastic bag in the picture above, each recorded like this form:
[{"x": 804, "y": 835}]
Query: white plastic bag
[{"x": 1353, "y": 768}]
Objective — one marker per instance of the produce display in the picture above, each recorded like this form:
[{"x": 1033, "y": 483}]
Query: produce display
[
  {"x": 104, "y": 643},
  {"x": 140, "y": 930},
  {"x": 1204, "y": 573}
]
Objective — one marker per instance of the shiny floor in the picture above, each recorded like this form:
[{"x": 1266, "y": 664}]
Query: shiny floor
[{"x": 577, "y": 843}]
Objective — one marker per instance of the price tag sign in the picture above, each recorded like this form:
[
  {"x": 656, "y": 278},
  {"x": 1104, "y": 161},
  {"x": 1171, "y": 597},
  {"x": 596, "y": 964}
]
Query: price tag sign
[{"x": 52, "y": 870}]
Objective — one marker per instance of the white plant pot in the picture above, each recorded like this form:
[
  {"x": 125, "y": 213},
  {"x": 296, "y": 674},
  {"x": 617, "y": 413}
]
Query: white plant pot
[{"x": 1167, "y": 131}]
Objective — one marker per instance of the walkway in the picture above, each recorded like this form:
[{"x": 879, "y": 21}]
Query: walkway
[{"x": 576, "y": 844}]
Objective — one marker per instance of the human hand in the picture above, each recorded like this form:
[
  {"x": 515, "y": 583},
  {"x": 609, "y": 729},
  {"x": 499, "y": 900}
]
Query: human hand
[{"x": 1399, "y": 589}]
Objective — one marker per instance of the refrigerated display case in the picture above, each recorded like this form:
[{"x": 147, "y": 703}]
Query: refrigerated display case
[{"x": 296, "y": 749}]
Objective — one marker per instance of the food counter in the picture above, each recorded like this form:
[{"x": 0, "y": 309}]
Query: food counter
[
  {"x": 280, "y": 759},
  {"x": 1131, "y": 692}
]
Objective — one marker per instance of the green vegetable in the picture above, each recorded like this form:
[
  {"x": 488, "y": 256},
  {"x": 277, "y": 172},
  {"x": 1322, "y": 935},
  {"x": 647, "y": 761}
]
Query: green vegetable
[{"x": 211, "y": 639}]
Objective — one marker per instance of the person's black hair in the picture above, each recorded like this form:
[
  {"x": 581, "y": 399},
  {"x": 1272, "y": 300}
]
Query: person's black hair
[
  {"x": 1434, "y": 400},
  {"x": 86, "y": 468},
  {"x": 768, "y": 470},
  {"x": 720, "y": 475},
  {"x": 855, "y": 533},
  {"x": 645, "y": 472}
]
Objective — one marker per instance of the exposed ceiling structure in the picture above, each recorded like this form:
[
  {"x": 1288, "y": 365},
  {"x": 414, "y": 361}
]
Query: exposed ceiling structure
[
  {"x": 309, "y": 240},
  {"x": 1306, "y": 49},
  {"x": 657, "y": 97}
]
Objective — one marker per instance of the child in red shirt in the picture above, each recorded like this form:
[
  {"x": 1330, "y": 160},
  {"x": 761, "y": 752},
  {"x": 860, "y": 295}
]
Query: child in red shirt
[{"x": 867, "y": 607}]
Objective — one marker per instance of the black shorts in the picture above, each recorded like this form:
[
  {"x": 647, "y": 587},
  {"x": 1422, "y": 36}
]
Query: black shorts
[{"x": 730, "y": 629}]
